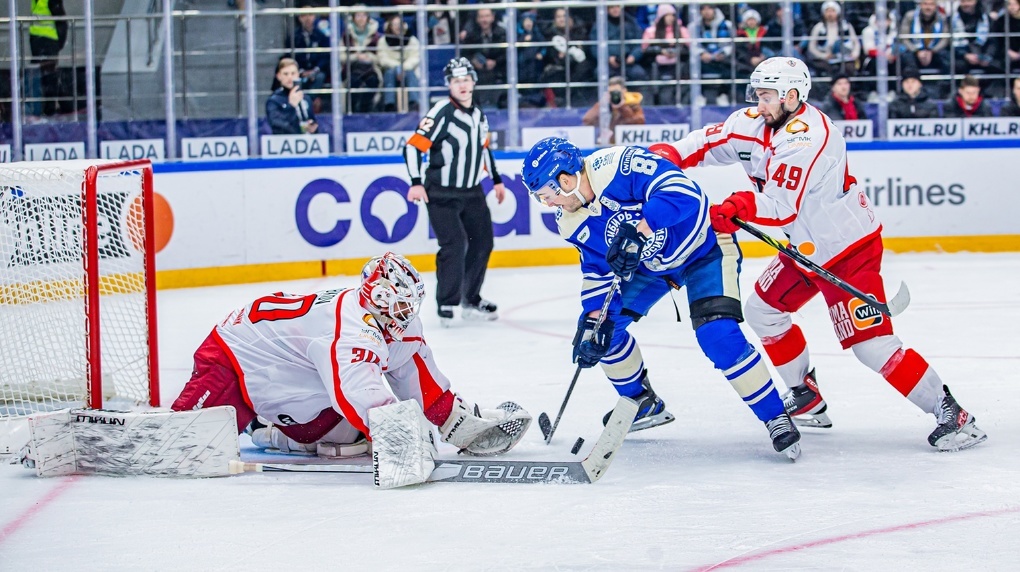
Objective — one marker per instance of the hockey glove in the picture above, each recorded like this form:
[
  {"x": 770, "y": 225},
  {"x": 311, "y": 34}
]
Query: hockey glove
[
  {"x": 624, "y": 254},
  {"x": 667, "y": 152},
  {"x": 740, "y": 205},
  {"x": 590, "y": 343}
]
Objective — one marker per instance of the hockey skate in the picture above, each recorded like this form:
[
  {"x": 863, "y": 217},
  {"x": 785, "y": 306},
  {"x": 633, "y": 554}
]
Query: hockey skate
[
  {"x": 445, "y": 316},
  {"x": 804, "y": 404},
  {"x": 484, "y": 311},
  {"x": 651, "y": 410},
  {"x": 956, "y": 429},
  {"x": 785, "y": 437}
]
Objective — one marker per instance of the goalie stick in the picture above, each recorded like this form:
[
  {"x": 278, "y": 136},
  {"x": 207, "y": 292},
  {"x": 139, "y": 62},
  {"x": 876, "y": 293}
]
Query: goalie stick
[
  {"x": 591, "y": 469},
  {"x": 895, "y": 306},
  {"x": 544, "y": 424}
]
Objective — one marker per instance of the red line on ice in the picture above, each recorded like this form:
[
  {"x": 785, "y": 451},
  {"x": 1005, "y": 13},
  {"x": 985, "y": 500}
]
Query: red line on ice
[
  {"x": 35, "y": 509},
  {"x": 739, "y": 560}
]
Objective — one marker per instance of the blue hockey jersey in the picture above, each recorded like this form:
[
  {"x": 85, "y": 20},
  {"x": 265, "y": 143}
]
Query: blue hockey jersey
[{"x": 632, "y": 184}]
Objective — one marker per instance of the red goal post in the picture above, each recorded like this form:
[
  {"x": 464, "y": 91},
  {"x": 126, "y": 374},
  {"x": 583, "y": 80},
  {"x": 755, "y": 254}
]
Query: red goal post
[{"x": 77, "y": 293}]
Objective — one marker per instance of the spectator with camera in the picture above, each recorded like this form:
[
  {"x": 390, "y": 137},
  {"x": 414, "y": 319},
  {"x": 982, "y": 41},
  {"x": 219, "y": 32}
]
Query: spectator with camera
[
  {"x": 624, "y": 107},
  {"x": 289, "y": 109},
  {"x": 912, "y": 101}
]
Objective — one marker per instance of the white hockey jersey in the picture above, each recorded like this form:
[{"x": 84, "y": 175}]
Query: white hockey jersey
[
  {"x": 800, "y": 172},
  {"x": 297, "y": 354}
]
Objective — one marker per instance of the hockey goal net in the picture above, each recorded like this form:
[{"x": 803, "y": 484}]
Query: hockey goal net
[{"x": 77, "y": 287}]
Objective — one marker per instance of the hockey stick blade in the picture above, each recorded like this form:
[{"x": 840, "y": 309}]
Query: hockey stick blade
[
  {"x": 545, "y": 424},
  {"x": 591, "y": 469},
  {"x": 900, "y": 301}
]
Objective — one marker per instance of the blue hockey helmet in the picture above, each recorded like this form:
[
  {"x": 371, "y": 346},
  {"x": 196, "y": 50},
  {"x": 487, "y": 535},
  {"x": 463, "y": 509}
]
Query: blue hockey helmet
[{"x": 544, "y": 163}]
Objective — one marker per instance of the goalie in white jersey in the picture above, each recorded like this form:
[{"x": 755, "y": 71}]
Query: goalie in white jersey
[
  {"x": 313, "y": 366},
  {"x": 796, "y": 160}
]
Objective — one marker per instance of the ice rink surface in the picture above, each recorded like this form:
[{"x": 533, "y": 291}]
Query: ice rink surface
[{"x": 705, "y": 492}]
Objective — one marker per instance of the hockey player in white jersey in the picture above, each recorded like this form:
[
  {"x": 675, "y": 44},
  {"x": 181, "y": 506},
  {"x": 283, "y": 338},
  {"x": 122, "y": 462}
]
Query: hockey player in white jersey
[
  {"x": 313, "y": 365},
  {"x": 796, "y": 160}
]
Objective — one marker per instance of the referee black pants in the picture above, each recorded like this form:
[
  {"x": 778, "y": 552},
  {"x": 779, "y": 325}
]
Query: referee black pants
[{"x": 463, "y": 225}]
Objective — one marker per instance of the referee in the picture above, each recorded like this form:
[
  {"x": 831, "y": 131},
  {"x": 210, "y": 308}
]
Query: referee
[{"x": 455, "y": 134}]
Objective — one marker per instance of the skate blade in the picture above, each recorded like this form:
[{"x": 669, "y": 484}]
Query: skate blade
[
  {"x": 966, "y": 438},
  {"x": 476, "y": 316},
  {"x": 792, "y": 452},
  {"x": 818, "y": 421},
  {"x": 653, "y": 421}
]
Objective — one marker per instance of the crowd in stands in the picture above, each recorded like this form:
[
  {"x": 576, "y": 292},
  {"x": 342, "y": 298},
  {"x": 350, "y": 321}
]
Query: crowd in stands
[{"x": 939, "y": 44}]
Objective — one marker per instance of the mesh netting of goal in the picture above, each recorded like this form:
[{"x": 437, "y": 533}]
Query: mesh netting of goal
[{"x": 74, "y": 254}]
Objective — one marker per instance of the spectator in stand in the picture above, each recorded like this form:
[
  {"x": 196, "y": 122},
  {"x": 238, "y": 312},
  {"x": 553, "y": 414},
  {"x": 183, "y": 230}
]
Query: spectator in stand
[
  {"x": 751, "y": 50},
  {"x": 624, "y": 107},
  {"x": 841, "y": 105},
  {"x": 484, "y": 47},
  {"x": 623, "y": 37},
  {"x": 774, "y": 34},
  {"x": 1012, "y": 107},
  {"x": 912, "y": 101},
  {"x": 443, "y": 24},
  {"x": 1004, "y": 46},
  {"x": 398, "y": 57},
  {"x": 567, "y": 62},
  {"x": 714, "y": 51},
  {"x": 869, "y": 40},
  {"x": 361, "y": 39},
  {"x": 530, "y": 59},
  {"x": 833, "y": 47},
  {"x": 921, "y": 35},
  {"x": 311, "y": 52},
  {"x": 289, "y": 109},
  {"x": 968, "y": 101},
  {"x": 971, "y": 26},
  {"x": 46, "y": 38},
  {"x": 666, "y": 42}
]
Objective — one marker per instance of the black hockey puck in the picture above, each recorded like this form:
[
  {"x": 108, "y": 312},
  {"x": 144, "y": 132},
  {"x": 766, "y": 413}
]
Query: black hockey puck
[{"x": 577, "y": 446}]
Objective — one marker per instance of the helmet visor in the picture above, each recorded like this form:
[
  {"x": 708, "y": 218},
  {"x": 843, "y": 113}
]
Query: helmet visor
[
  {"x": 546, "y": 192},
  {"x": 765, "y": 95}
]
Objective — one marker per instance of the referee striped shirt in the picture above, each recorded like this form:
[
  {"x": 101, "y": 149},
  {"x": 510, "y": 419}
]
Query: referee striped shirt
[{"x": 457, "y": 142}]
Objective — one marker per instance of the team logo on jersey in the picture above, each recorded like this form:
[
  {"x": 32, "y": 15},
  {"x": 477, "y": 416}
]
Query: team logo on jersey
[
  {"x": 796, "y": 126},
  {"x": 752, "y": 113},
  {"x": 426, "y": 124},
  {"x": 863, "y": 315},
  {"x": 372, "y": 335},
  {"x": 653, "y": 243},
  {"x": 601, "y": 161},
  {"x": 610, "y": 203},
  {"x": 285, "y": 419}
]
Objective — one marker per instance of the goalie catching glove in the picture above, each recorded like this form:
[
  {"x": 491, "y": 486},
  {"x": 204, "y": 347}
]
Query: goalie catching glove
[
  {"x": 591, "y": 342},
  {"x": 485, "y": 432}
]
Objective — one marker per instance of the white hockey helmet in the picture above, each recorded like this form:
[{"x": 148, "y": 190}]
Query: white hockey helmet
[
  {"x": 392, "y": 290},
  {"x": 781, "y": 74}
]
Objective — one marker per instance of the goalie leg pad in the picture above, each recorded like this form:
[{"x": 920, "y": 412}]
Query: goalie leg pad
[
  {"x": 159, "y": 443},
  {"x": 403, "y": 450},
  {"x": 487, "y": 431}
]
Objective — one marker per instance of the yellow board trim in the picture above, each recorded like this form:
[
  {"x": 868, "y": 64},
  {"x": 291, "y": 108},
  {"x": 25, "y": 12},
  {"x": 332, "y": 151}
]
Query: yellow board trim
[
  {"x": 194, "y": 277},
  {"x": 59, "y": 290}
]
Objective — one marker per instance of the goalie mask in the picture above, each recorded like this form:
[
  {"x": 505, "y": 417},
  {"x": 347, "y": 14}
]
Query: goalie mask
[{"x": 392, "y": 290}]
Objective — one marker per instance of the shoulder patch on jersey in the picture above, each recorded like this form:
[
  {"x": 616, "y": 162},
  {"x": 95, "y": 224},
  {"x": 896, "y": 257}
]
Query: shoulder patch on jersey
[
  {"x": 426, "y": 123},
  {"x": 796, "y": 126},
  {"x": 584, "y": 235},
  {"x": 372, "y": 335},
  {"x": 752, "y": 112},
  {"x": 610, "y": 203},
  {"x": 601, "y": 160}
]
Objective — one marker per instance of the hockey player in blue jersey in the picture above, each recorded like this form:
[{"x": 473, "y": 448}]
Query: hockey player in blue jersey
[{"x": 633, "y": 214}]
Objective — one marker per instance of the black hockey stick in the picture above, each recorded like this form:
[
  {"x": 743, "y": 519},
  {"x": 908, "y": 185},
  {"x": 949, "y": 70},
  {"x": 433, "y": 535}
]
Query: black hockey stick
[
  {"x": 893, "y": 307},
  {"x": 543, "y": 420},
  {"x": 589, "y": 470}
]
